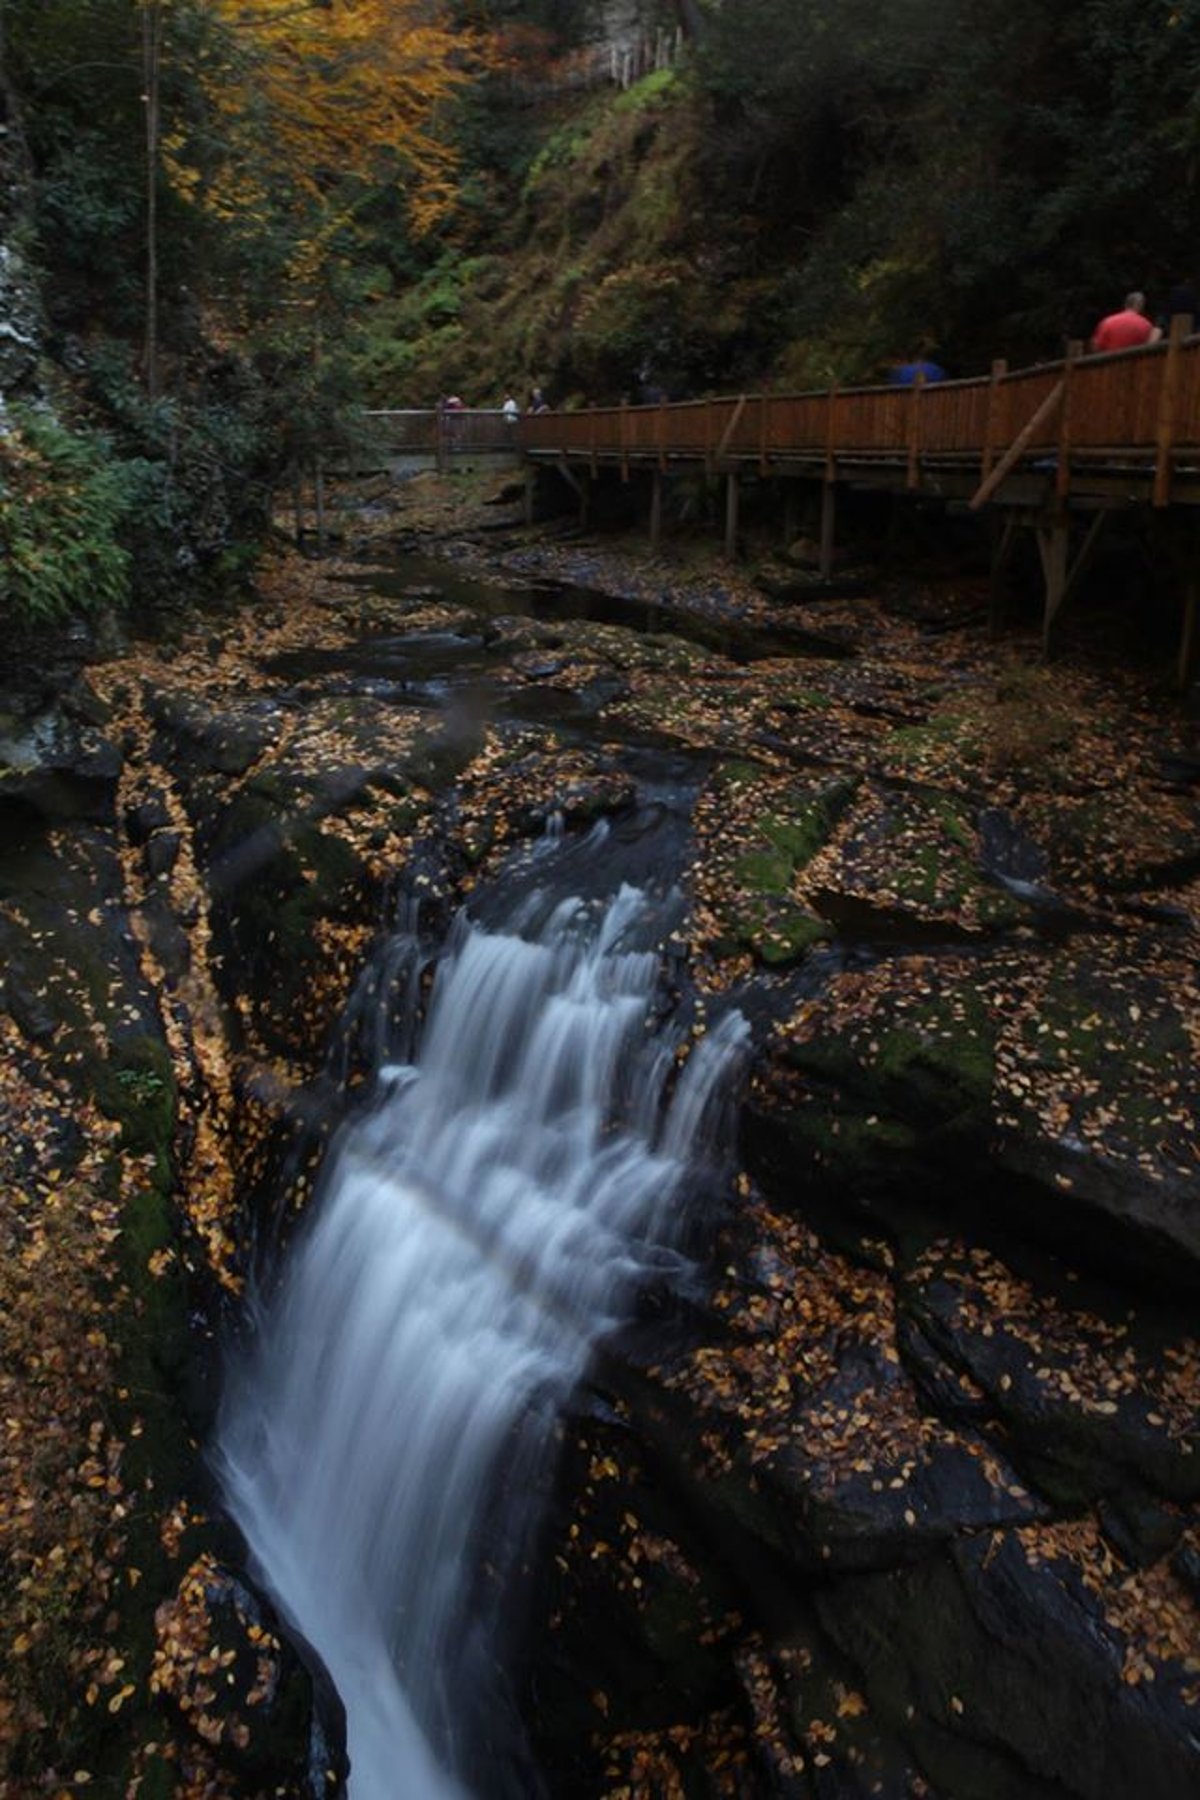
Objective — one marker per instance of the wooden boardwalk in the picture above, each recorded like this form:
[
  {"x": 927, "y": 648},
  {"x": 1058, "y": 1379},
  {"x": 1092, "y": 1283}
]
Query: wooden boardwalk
[
  {"x": 426, "y": 436},
  {"x": 1053, "y": 449},
  {"x": 1132, "y": 417}
]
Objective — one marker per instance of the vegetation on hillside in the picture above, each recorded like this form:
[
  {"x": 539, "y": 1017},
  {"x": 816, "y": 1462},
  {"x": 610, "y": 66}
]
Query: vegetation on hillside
[{"x": 813, "y": 189}]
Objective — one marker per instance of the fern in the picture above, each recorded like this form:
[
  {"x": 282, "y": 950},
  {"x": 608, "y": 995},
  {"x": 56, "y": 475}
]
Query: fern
[{"x": 62, "y": 503}]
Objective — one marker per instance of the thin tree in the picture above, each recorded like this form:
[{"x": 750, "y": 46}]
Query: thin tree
[{"x": 153, "y": 20}]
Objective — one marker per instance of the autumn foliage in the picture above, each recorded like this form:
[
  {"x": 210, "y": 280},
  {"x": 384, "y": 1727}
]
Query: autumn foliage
[{"x": 317, "y": 98}]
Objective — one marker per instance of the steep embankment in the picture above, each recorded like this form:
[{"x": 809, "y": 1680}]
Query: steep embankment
[{"x": 607, "y": 269}]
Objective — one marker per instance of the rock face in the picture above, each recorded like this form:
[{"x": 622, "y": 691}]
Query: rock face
[
  {"x": 58, "y": 767},
  {"x": 20, "y": 312},
  {"x": 914, "y": 1511}
]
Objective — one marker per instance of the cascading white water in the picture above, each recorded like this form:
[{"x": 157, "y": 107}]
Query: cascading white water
[{"x": 479, "y": 1227}]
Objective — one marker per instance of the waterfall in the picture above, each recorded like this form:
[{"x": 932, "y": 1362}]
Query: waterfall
[{"x": 520, "y": 1171}]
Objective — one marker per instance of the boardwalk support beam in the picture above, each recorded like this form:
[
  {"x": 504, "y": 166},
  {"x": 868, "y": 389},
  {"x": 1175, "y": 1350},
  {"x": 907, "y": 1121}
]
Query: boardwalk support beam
[
  {"x": 572, "y": 481},
  {"x": 1168, "y": 409},
  {"x": 727, "y": 435},
  {"x": 1054, "y": 543},
  {"x": 1018, "y": 447},
  {"x": 1004, "y": 540},
  {"x": 791, "y": 514},
  {"x": 828, "y": 524},
  {"x": 732, "y": 496},
  {"x": 656, "y": 508},
  {"x": 1190, "y": 642},
  {"x": 1061, "y": 575}
]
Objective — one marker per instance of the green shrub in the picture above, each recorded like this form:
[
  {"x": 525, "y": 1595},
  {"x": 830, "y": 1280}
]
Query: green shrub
[{"x": 62, "y": 502}]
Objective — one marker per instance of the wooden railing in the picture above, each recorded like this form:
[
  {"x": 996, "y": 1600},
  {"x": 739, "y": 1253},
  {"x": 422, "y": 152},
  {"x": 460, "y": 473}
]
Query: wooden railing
[
  {"x": 1141, "y": 406},
  {"x": 436, "y": 431}
]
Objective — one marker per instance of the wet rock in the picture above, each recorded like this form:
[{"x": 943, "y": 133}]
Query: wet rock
[
  {"x": 769, "y": 830},
  {"x": 1007, "y": 1661},
  {"x": 167, "y": 939},
  {"x": 238, "y": 1684},
  {"x": 147, "y": 816},
  {"x": 203, "y": 740},
  {"x": 904, "y": 855},
  {"x": 1056, "y": 1081},
  {"x": 60, "y": 769},
  {"x": 162, "y": 853},
  {"x": 21, "y": 338},
  {"x": 80, "y": 701},
  {"x": 36, "y": 1019},
  {"x": 1139, "y": 1527},
  {"x": 1087, "y": 1388},
  {"x": 816, "y": 1438}
]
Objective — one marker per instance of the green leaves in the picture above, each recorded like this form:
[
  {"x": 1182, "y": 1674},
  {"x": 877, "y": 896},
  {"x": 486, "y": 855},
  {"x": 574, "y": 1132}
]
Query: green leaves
[{"x": 62, "y": 502}]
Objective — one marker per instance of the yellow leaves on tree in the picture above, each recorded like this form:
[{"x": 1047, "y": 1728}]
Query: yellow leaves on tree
[{"x": 320, "y": 98}]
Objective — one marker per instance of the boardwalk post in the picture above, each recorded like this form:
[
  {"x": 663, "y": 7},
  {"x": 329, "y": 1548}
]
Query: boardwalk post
[
  {"x": 791, "y": 513},
  {"x": 1062, "y": 475},
  {"x": 735, "y": 419},
  {"x": 624, "y": 440},
  {"x": 763, "y": 462},
  {"x": 319, "y": 501},
  {"x": 1003, "y": 541},
  {"x": 1054, "y": 542},
  {"x": 913, "y": 474},
  {"x": 592, "y": 420},
  {"x": 829, "y": 488},
  {"x": 732, "y": 495},
  {"x": 991, "y": 430},
  {"x": 656, "y": 508},
  {"x": 828, "y": 522},
  {"x": 1168, "y": 403},
  {"x": 830, "y": 432},
  {"x": 1190, "y": 641}
]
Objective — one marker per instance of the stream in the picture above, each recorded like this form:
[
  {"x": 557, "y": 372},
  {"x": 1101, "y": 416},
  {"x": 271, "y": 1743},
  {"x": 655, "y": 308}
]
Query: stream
[{"x": 532, "y": 1152}]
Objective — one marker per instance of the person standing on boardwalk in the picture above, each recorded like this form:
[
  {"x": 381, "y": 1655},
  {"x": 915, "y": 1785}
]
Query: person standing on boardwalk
[
  {"x": 1126, "y": 329},
  {"x": 913, "y": 369},
  {"x": 1184, "y": 299}
]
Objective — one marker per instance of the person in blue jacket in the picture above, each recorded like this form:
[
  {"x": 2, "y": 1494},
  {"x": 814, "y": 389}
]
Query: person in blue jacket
[{"x": 914, "y": 369}]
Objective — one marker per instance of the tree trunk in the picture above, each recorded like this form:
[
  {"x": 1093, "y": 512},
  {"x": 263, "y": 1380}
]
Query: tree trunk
[
  {"x": 152, "y": 39},
  {"x": 691, "y": 19}
]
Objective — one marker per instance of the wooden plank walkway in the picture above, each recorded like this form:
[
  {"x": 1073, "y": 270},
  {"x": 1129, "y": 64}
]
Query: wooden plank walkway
[
  {"x": 1086, "y": 435},
  {"x": 1129, "y": 421}
]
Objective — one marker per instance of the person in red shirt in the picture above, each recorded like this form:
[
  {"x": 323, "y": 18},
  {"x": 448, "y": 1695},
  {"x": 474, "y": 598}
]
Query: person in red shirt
[{"x": 1126, "y": 329}]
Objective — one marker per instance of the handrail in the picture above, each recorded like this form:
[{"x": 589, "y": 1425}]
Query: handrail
[{"x": 1142, "y": 403}]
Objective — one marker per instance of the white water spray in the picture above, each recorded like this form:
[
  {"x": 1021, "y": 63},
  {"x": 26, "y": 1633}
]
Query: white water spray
[{"x": 387, "y": 1447}]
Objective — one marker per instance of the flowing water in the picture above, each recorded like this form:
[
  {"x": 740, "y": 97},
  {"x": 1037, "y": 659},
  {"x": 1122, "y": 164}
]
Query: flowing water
[{"x": 526, "y": 1163}]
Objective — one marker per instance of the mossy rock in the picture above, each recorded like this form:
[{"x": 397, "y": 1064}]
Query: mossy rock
[
  {"x": 136, "y": 1085},
  {"x": 758, "y": 909},
  {"x": 913, "y": 855}
]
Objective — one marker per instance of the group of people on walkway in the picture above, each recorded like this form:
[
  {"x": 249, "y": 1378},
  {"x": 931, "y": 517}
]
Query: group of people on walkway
[
  {"x": 511, "y": 408},
  {"x": 1126, "y": 328}
]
